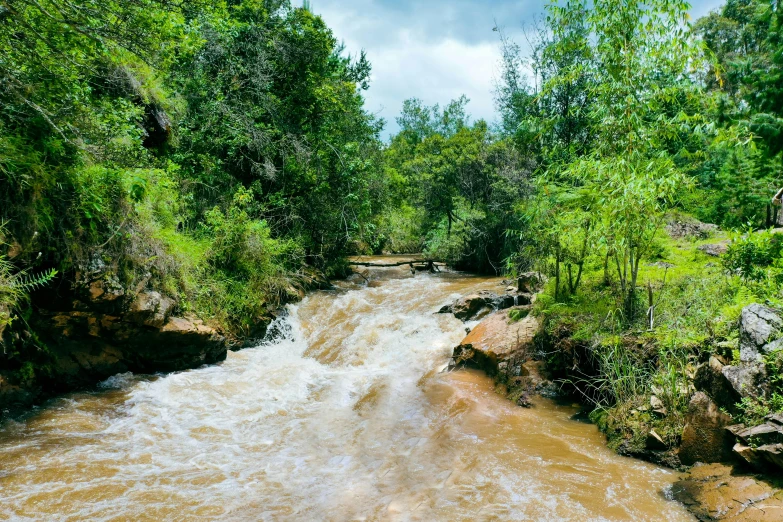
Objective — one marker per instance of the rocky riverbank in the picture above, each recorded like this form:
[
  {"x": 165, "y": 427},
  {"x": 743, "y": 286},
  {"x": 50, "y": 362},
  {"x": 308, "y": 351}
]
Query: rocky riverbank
[
  {"x": 731, "y": 467},
  {"x": 95, "y": 327}
]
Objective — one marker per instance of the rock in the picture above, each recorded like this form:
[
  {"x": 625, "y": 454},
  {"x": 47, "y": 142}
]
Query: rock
[
  {"x": 758, "y": 326},
  {"x": 530, "y": 282},
  {"x": 688, "y": 227},
  {"x": 750, "y": 456},
  {"x": 717, "y": 492},
  {"x": 657, "y": 405},
  {"x": 497, "y": 340},
  {"x": 654, "y": 442},
  {"x": 761, "y": 446},
  {"x": 710, "y": 379},
  {"x": 448, "y": 309},
  {"x": 762, "y": 434},
  {"x": 478, "y": 305},
  {"x": 747, "y": 380},
  {"x": 150, "y": 309},
  {"x": 775, "y": 418},
  {"x": 525, "y": 299},
  {"x": 715, "y": 249},
  {"x": 469, "y": 307},
  {"x": 704, "y": 438},
  {"x": 772, "y": 453}
]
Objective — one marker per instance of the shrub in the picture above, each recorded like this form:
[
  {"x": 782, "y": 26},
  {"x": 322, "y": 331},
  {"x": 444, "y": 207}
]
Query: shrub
[{"x": 751, "y": 253}]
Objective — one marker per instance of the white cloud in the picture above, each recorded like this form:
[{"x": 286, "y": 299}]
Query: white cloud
[{"x": 435, "y": 50}]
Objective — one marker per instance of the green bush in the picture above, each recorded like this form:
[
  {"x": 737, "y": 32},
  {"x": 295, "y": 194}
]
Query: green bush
[{"x": 751, "y": 253}]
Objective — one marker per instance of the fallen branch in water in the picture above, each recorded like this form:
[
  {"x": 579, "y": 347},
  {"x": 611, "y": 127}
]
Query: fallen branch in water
[{"x": 424, "y": 264}]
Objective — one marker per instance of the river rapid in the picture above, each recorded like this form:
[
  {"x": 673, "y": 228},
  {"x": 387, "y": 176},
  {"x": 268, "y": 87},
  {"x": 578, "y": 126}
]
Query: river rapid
[{"x": 345, "y": 416}]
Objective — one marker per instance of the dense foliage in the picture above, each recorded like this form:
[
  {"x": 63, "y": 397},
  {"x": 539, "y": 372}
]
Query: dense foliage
[{"x": 208, "y": 149}]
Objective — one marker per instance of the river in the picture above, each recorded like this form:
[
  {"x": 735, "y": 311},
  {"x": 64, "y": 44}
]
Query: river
[{"x": 345, "y": 416}]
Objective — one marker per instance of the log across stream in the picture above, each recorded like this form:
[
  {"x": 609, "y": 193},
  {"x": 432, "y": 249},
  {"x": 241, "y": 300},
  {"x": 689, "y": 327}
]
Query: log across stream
[{"x": 345, "y": 415}]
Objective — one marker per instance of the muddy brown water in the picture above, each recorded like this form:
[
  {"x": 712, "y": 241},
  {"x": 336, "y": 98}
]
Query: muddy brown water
[{"x": 346, "y": 416}]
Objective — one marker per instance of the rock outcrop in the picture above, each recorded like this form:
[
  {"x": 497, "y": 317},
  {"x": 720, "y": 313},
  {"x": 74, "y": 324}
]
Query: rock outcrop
[
  {"x": 98, "y": 327},
  {"x": 761, "y": 446},
  {"x": 504, "y": 348},
  {"x": 711, "y": 380},
  {"x": 759, "y": 327},
  {"x": 758, "y": 336}
]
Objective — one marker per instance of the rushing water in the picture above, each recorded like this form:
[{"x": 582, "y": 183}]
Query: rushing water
[{"x": 347, "y": 416}]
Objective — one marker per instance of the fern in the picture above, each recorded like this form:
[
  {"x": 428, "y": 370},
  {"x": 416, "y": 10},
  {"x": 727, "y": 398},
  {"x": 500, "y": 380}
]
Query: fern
[
  {"x": 15, "y": 287},
  {"x": 24, "y": 282}
]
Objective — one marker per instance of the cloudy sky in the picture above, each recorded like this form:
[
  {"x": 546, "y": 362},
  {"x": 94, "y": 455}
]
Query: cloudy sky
[{"x": 435, "y": 50}]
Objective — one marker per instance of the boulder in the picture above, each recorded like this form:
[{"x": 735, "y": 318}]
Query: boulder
[
  {"x": 705, "y": 438},
  {"x": 478, "y": 305},
  {"x": 748, "y": 379},
  {"x": 150, "y": 309},
  {"x": 759, "y": 326},
  {"x": 691, "y": 228},
  {"x": 469, "y": 307},
  {"x": 499, "y": 345},
  {"x": 710, "y": 379}
]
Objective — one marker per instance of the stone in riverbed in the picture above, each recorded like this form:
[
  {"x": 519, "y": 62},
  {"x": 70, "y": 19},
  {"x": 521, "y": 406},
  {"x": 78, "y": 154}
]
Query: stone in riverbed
[
  {"x": 717, "y": 492},
  {"x": 478, "y": 305}
]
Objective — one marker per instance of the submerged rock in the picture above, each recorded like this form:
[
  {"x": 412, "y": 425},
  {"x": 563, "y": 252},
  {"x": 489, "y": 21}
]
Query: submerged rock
[{"x": 718, "y": 492}]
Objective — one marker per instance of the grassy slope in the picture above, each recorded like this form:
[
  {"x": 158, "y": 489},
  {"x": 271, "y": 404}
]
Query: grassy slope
[{"x": 621, "y": 365}]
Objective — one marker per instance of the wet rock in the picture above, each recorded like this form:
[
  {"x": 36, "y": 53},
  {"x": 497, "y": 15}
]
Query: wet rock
[
  {"x": 704, "y": 438},
  {"x": 524, "y": 299},
  {"x": 710, "y": 379},
  {"x": 468, "y": 307},
  {"x": 759, "y": 326},
  {"x": 717, "y": 492},
  {"x": 478, "y": 305},
  {"x": 497, "y": 340}
]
